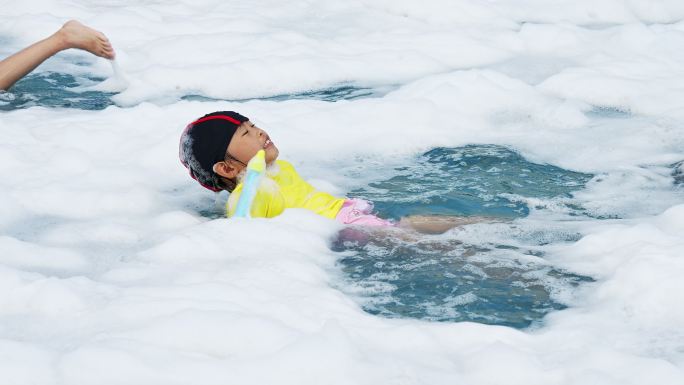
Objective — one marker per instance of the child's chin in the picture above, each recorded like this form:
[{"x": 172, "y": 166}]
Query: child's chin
[{"x": 271, "y": 156}]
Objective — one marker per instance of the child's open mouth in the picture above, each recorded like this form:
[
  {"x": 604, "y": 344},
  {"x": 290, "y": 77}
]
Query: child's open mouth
[{"x": 267, "y": 143}]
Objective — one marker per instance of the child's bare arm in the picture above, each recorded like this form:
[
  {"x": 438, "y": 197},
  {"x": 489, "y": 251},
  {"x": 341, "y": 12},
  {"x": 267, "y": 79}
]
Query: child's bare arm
[{"x": 72, "y": 35}]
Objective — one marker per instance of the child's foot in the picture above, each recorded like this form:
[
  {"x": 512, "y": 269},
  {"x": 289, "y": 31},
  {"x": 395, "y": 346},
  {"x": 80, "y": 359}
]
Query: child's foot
[{"x": 77, "y": 35}]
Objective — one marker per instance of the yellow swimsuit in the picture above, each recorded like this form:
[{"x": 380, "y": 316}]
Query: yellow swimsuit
[{"x": 282, "y": 188}]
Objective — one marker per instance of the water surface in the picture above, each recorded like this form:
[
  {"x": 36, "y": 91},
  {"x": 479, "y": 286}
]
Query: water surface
[
  {"x": 493, "y": 272},
  {"x": 59, "y": 90}
]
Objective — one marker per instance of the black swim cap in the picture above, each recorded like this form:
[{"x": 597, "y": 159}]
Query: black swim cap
[{"x": 205, "y": 142}]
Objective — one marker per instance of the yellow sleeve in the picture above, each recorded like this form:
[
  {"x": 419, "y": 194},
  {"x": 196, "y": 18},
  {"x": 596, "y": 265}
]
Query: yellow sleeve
[
  {"x": 268, "y": 201},
  {"x": 299, "y": 193}
]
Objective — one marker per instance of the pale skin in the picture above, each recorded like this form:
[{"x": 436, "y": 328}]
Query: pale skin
[
  {"x": 72, "y": 35},
  {"x": 248, "y": 139}
]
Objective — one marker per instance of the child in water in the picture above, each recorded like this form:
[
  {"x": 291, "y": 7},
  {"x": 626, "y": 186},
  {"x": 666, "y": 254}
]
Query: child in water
[{"x": 216, "y": 148}]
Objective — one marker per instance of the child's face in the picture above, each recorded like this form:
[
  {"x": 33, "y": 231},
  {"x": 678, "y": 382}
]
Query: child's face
[{"x": 247, "y": 141}]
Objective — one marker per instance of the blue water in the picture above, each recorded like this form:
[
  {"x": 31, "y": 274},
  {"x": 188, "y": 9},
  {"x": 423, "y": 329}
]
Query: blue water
[
  {"x": 499, "y": 280},
  {"x": 58, "y": 90},
  {"x": 678, "y": 173},
  {"x": 55, "y": 90},
  {"x": 472, "y": 180},
  {"x": 605, "y": 112},
  {"x": 328, "y": 94}
]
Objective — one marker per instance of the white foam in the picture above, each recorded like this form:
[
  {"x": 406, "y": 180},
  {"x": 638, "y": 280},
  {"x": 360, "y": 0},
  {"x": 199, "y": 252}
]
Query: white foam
[
  {"x": 118, "y": 82},
  {"x": 112, "y": 272}
]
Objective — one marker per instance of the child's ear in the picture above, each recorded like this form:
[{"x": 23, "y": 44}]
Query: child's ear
[{"x": 225, "y": 169}]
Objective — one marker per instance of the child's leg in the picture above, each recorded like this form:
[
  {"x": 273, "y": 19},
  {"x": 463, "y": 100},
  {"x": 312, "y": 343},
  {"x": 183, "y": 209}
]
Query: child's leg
[
  {"x": 72, "y": 35},
  {"x": 437, "y": 224}
]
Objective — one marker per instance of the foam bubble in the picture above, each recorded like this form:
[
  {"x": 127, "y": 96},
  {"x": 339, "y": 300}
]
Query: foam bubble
[{"x": 114, "y": 269}]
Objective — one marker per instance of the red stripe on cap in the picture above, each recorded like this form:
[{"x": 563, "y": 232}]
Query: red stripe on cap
[{"x": 213, "y": 117}]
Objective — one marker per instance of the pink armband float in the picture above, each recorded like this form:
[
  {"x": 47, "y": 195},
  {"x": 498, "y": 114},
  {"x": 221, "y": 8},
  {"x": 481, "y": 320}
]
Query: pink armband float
[{"x": 358, "y": 212}]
